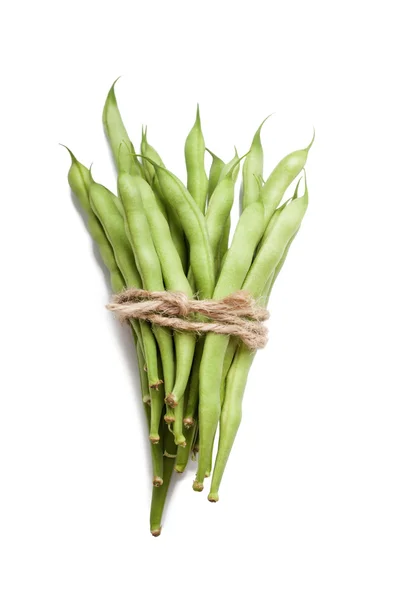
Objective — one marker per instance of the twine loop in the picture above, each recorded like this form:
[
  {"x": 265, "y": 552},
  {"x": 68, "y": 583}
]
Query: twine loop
[{"x": 237, "y": 314}]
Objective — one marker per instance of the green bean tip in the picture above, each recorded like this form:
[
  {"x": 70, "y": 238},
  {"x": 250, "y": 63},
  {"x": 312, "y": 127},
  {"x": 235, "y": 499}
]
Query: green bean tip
[
  {"x": 72, "y": 155},
  {"x": 213, "y": 497},
  {"x": 180, "y": 440},
  {"x": 157, "y": 482},
  {"x": 170, "y": 399},
  {"x": 156, "y": 384},
  {"x": 312, "y": 141},
  {"x": 156, "y": 532},
  {"x": 197, "y": 486}
]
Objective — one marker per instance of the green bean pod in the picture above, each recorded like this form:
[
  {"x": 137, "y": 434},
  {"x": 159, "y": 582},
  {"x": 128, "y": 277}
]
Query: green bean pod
[
  {"x": 144, "y": 382},
  {"x": 194, "y": 227},
  {"x": 228, "y": 166},
  {"x": 148, "y": 265},
  {"x": 80, "y": 180},
  {"x": 236, "y": 266},
  {"x": 224, "y": 243},
  {"x": 193, "y": 392},
  {"x": 231, "y": 414},
  {"x": 175, "y": 280},
  {"x": 156, "y": 449},
  {"x": 253, "y": 169},
  {"x": 272, "y": 250},
  {"x": 182, "y": 457},
  {"x": 197, "y": 181},
  {"x": 281, "y": 177},
  {"x": 157, "y": 395},
  {"x": 277, "y": 212},
  {"x": 176, "y": 230},
  {"x": 81, "y": 183},
  {"x": 228, "y": 359},
  {"x": 177, "y": 427},
  {"x": 219, "y": 209},
  {"x": 267, "y": 291},
  {"x": 237, "y": 377},
  {"x": 215, "y": 171},
  {"x": 280, "y": 237},
  {"x": 121, "y": 146},
  {"x": 223, "y": 246},
  {"x": 220, "y": 206},
  {"x": 169, "y": 416},
  {"x": 114, "y": 227},
  {"x": 159, "y": 494}
]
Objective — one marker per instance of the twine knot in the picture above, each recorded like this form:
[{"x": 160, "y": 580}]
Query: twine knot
[{"x": 237, "y": 314}]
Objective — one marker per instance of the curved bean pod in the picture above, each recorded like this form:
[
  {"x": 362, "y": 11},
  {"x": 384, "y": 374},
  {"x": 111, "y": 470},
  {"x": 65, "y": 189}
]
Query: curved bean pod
[
  {"x": 231, "y": 414},
  {"x": 228, "y": 166},
  {"x": 197, "y": 182},
  {"x": 175, "y": 280},
  {"x": 114, "y": 227},
  {"x": 148, "y": 169},
  {"x": 236, "y": 266},
  {"x": 220, "y": 206},
  {"x": 176, "y": 231},
  {"x": 281, "y": 177},
  {"x": 223, "y": 248},
  {"x": 121, "y": 146},
  {"x": 80, "y": 180},
  {"x": 285, "y": 229},
  {"x": 237, "y": 377},
  {"x": 252, "y": 169},
  {"x": 271, "y": 251},
  {"x": 194, "y": 227},
  {"x": 277, "y": 212},
  {"x": 149, "y": 267},
  {"x": 215, "y": 171}
]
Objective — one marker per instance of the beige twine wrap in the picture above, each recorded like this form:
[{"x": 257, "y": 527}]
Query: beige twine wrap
[{"x": 236, "y": 314}]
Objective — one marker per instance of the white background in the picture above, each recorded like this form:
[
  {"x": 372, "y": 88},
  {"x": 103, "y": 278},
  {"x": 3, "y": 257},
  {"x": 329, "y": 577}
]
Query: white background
[{"x": 310, "y": 502}]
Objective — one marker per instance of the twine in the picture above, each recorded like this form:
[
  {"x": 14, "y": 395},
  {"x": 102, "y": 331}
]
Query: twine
[{"x": 237, "y": 314}]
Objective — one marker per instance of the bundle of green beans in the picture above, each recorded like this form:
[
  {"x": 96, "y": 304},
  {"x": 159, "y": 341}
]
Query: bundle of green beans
[{"x": 158, "y": 234}]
